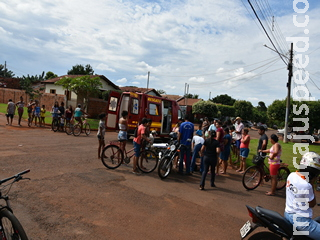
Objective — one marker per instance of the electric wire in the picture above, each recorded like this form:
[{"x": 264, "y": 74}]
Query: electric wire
[{"x": 237, "y": 77}]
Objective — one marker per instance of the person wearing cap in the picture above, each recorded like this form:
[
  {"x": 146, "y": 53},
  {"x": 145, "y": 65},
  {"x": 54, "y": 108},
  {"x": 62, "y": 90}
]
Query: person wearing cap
[
  {"x": 196, "y": 144},
  {"x": 239, "y": 128}
]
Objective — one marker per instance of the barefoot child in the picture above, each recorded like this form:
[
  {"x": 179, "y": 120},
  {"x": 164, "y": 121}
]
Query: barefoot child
[
  {"x": 101, "y": 133},
  {"x": 37, "y": 111},
  {"x": 42, "y": 115}
]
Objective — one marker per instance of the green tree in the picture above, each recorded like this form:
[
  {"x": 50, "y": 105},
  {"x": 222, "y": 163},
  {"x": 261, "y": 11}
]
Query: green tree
[
  {"x": 190, "y": 95},
  {"x": 244, "y": 109},
  {"x": 84, "y": 87},
  {"x": 81, "y": 70},
  {"x": 50, "y": 75},
  {"x": 276, "y": 113},
  {"x": 206, "y": 108},
  {"x": 27, "y": 83},
  {"x": 160, "y": 91},
  {"x": 262, "y": 106},
  {"x": 259, "y": 115},
  {"x": 226, "y": 111},
  {"x": 4, "y": 72},
  {"x": 224, "y": 99}
]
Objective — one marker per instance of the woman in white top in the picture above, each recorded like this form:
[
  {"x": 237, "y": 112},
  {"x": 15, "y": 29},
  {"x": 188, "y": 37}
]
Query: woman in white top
[{"x": 123, "y": 127}]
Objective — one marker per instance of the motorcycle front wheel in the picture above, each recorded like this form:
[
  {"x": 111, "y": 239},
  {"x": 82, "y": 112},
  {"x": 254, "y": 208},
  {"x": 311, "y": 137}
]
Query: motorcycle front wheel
[
  {"x": 264, "y": 236},
  {"x": 164, "y": 167}
]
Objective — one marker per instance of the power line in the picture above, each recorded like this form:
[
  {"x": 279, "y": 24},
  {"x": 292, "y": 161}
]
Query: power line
[
  {"x": 214, "y": 73},
  {"x": 236, "y": 78},
  {"x": 266, "y": 32}
]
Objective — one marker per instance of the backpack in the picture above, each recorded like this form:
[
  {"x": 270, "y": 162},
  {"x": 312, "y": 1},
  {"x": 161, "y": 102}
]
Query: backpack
[{"x": 135, "y": 133}]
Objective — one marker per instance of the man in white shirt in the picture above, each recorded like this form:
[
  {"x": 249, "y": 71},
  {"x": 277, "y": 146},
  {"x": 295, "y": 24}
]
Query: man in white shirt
[
  {"x": 239, "y": 127},
  {"x": 300, "y": 197},
  {"x": 197, "y": 142}
]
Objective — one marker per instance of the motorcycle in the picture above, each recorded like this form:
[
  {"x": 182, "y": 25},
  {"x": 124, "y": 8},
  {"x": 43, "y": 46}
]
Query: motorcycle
[
  {"x": 166, "y": 161},
  {"x": 279, "y": 226}
]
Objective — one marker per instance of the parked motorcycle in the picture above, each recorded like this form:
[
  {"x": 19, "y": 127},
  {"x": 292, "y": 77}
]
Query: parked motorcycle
[
  {"x": 279, "y": 226},
  {"x": 166, "y": 161}
]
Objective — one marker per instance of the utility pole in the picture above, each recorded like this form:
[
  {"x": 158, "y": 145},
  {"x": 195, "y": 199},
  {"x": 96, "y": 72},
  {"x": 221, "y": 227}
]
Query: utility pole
[
  {"x": 148, "y": 81},
  {"x": 285, "y": 137}
]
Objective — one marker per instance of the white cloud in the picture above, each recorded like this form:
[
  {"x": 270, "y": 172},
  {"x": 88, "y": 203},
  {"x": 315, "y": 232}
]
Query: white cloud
[
  {"x": 122, "y": 81},
  {"x": 196, "y": 79},
  {"x": 105, "y": 67},
  {"x": 213, "y": 46}
]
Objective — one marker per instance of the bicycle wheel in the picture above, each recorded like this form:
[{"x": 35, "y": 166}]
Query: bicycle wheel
[
  {"x": 69, "y": 129},
  {"x": 164, "y": 167},
  {"x": 148, "y": 161},
  {"x": 283, "y": 173},
  {"x": 87, "y": 130},
  {"x": 55, "y": 125},
  {"x": 112, "y": 156},
  {"x": 252, "y": 178},
  {"x": 11, "y": 227},
  {"x": 76, "y": 130}
]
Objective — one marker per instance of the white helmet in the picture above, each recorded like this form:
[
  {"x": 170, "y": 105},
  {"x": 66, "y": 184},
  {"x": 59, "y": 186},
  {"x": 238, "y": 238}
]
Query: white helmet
[{"x": 311, "y": 159}]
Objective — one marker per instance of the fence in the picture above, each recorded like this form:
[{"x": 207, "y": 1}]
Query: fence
[
  {"x": 96, "y": 106},
  {"x": 46, "y": 99}
]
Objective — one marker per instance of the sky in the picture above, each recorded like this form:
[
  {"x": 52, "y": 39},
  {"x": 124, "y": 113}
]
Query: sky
[{"x": 211, "y": 46}]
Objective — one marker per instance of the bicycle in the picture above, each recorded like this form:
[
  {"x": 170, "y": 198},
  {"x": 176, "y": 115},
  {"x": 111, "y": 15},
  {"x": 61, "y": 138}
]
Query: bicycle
[
  {"x": 55, "y": 122},
  {"x": 10, "y": 227},
  {"x": 77, "y": 129},
  {"x": 253, "y": 175},
  {"x": 69, "y": 128},
  {"x": 112, "y": 157}
]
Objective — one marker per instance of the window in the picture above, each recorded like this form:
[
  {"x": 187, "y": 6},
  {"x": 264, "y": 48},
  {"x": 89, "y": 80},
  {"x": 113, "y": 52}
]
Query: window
[
  {"x": 113, "y": 104},
  {"x": 135, "y": 106},
  {"x": 68, "y": 94},
  {"x": 153, "y": 109},
  {"x": 53, "y": 91}
]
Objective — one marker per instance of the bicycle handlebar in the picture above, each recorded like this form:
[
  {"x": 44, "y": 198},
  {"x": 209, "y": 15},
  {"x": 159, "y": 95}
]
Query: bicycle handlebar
[{"x": 17, "y": 176}]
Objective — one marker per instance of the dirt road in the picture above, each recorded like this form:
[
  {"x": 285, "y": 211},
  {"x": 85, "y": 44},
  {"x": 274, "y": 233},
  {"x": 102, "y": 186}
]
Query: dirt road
[{"x": 71, "y": 195}]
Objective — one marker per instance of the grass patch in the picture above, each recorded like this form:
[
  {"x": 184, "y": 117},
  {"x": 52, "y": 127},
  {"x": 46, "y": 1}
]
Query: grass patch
[{"x": 94, "y": 123}]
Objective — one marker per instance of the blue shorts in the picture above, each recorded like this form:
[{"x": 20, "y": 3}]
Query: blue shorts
[
  {"x": 238, "y": 143},
  {"x": 244, "y": 152},
  {"x": 122, "y": 136},
  {"x": 136, "y": 147}
]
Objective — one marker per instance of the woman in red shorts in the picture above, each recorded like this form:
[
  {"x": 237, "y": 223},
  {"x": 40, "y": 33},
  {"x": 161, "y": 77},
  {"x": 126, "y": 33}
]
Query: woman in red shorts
[{"x": 274, "y": 162}]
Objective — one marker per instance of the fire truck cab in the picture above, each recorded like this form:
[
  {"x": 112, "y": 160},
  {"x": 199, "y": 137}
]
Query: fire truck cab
[{"x": 163, "y": 112}]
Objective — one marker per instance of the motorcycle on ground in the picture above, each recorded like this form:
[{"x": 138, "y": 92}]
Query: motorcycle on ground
[{"x": 279, "y": 227}]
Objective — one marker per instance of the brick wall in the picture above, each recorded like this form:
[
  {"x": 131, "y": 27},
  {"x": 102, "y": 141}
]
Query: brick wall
[
  {"x": 96, "y": 106},
  {"x": 46, "y": 99}
]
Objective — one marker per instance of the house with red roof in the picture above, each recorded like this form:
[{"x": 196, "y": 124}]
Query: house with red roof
[{"x": 71, "y": 97}]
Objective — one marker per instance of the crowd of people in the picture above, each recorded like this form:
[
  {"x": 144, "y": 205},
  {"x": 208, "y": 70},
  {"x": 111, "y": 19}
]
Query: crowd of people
[
  {"x": 37, "y": 113},
  {"x": 217, "y": 143}
]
